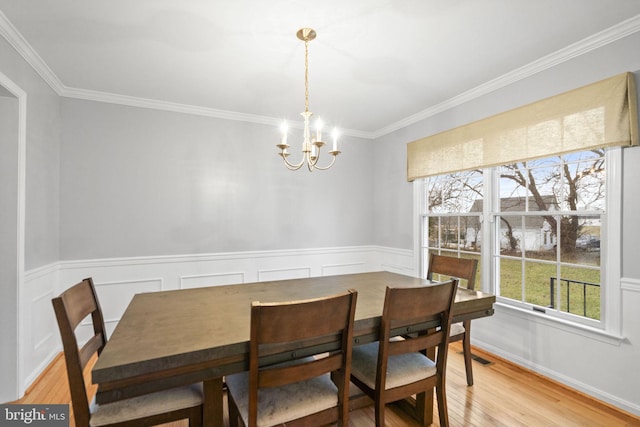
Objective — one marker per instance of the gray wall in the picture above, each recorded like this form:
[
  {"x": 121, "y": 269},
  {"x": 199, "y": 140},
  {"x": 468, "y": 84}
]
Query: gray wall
[
  {"x": 140, "y": 182},
  {"x": 42, "y": 159},
  {"x": 8, "y": 241},
  {"x": 393, "y": 196},
  {"x": 42, "y": 198}
]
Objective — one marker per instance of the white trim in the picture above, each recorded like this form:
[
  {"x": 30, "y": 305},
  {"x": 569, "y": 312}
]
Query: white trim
[
  {"x": 154, "y": 104},
  {"x": 159, "y": 281},
  {"x": 45, "y": 270},
  {"x": 418, "y": 209},
  {"x": 611, "y": 261},
  {"x": 623, "y": 404},
  {"x": 20, "y": 44},
  {"x": 595, "y": 41},
  {"x": 629, "y": 284},
  {"x": 342, "y": 268},
  {"x": 21, "y": 218},
  {"x": 561, "y": 324},
  {"x": 41, "y": 367},
  {"x": 164, "y": 259},
  {"x": 270, "y": 274},
  {"x": 231, "y": 274}
]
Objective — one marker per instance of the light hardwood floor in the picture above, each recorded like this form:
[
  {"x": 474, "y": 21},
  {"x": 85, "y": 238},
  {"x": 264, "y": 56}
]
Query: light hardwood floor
[{"x": 503, "y": 395}]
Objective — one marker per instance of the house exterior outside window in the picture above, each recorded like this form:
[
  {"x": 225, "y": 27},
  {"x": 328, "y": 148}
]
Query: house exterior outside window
[{"x": 538, "y": 227}]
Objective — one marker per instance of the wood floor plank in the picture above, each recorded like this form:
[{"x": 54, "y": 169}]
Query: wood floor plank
[{"x": 503, "y": 395}]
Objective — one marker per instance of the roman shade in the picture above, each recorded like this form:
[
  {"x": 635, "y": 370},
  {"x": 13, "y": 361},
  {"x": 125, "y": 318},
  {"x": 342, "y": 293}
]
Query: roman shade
[{"x": 599, "y": 115}]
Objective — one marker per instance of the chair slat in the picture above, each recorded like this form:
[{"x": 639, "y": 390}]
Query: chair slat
[
  {"x": 413, "y": 344},
  {"x": 90, "y": 348},
  {"x": 275, "y": 377}
]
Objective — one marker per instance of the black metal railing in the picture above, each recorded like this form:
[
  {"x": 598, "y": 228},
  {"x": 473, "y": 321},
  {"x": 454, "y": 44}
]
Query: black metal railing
[{"x": 552, "y": 294}]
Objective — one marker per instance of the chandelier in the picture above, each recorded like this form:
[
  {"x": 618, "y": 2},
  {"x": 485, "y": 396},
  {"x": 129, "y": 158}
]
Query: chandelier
[{"x": 312, "y": 143}]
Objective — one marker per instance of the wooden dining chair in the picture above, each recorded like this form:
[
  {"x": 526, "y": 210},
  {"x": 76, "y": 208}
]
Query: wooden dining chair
[
  {"x": 397, "y": 367},
  {"x": 71, "y": 308},
  {"x": 465, "y": 270},
  {"x": 299, "y": 364}
]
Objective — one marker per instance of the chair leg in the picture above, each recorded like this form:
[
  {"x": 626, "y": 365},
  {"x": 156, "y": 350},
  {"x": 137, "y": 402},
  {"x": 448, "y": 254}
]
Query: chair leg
[
  {"x": 443, "y": 413},
  {"x": 466, "y": 348},
  {"x": 424, "y": 408},
  {"x": 233, "y": 413},
  {"x": 195, "y": 418},
  {"x": 379, "y": 413}
]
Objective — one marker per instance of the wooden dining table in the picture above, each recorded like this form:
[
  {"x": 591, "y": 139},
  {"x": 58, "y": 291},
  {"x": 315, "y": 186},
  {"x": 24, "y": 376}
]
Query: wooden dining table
[{"x": 176, "y": 337}]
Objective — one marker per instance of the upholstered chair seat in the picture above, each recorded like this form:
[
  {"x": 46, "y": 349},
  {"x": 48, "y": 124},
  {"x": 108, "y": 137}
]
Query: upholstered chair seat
[
  {"x": 457, "y": 329},
  {"x": 145, "y": 406},
  {"x": 402, "y": 369},
  {"x": 279, "y": 405}
]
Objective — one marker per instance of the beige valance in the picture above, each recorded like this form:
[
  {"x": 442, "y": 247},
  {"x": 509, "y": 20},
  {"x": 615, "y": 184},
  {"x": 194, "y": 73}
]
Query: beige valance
[{"x": 598, "y": 115}]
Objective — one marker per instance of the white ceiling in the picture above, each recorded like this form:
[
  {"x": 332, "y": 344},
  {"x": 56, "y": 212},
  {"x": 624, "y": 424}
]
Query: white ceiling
[{"x": 375, "y": 66}]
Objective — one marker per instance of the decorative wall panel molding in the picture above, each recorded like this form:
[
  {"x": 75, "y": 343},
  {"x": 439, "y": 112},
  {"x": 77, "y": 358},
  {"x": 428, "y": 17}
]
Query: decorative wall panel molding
[
  {"x": 202, "y": 280},
  {"x": 117, "y": 280}
]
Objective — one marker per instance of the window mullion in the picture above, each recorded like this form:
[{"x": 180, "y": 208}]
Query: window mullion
[{"x": 490, "y": 264}]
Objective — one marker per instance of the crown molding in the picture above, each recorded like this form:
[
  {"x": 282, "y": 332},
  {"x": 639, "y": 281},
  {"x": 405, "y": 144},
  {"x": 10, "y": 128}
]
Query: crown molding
[
  {"x": 595, "y": 41},
  {"x": 132, "y": 101},
  {"x": 588, "y": 44},
  {"x": 20, "y": 44}
]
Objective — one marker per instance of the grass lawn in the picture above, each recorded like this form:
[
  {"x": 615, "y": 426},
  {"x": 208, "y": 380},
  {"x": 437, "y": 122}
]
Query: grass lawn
[{"x": 537, "y": 277}]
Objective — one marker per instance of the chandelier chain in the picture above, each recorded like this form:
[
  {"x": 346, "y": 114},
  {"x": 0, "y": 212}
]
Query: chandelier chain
[{"x": 306, "y": 76}]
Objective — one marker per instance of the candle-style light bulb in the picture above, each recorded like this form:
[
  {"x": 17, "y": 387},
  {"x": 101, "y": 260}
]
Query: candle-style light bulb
[
  {"x": 319, "y": 130},
  {"x": 335, "y": 139},
  {"x": 285, "y": 129}
]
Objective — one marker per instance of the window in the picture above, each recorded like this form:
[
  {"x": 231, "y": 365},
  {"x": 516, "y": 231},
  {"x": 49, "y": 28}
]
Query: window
[
  {"x": 539, "y": 223},
  {"x": 453, "y": 223},
  {"x": 544, "y": 216}
]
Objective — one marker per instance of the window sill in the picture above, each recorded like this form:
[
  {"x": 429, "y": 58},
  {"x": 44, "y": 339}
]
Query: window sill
[{"x": 564, "y": 325}]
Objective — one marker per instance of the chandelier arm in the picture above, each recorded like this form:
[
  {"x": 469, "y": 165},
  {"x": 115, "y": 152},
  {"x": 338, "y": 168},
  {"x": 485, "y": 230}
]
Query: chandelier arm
[
  {"x": 292, "y": 166},
  {"x": 323, "y": 168}
]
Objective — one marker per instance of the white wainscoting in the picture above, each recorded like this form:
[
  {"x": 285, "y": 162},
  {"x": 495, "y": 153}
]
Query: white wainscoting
[
  {"x": 117, "y": 280},
  {"x": 39, "y": 339}
]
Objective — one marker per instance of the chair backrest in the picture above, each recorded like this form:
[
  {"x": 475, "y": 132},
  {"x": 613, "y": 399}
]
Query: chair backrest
[
  {"x": 459, "y": 268},
  {"x": 422, "y": 315},
  {"x": 71, "y": 308},
  {"x": 298, "y": 340}
]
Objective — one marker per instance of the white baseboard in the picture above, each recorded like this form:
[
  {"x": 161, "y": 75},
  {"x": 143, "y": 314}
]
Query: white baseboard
[{"x": 630, "y": 407}]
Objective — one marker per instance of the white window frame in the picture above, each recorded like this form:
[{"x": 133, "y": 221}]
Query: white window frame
[{"x": 609, "y": 327}]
